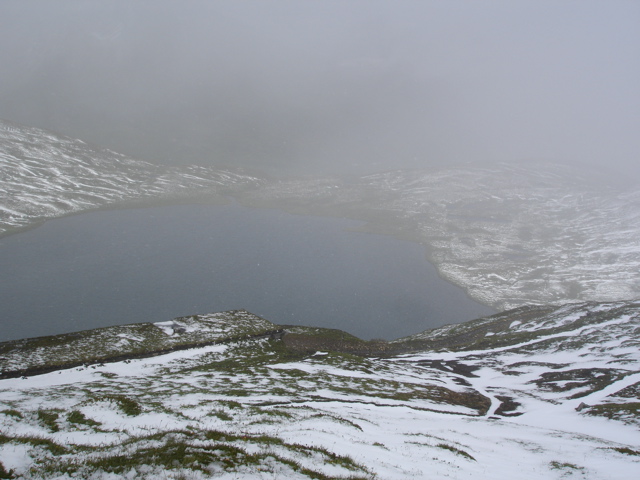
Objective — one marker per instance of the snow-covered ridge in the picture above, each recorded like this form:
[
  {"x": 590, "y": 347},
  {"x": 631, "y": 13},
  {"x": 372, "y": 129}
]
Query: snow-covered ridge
[
  {"x": 45, "y": 175},
  {"x": 536, "y": 393},
  {"x": 37, "y": 355}
]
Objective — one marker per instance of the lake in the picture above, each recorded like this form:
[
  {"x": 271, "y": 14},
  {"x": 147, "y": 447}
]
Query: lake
[{"x": 153, "y": 264}]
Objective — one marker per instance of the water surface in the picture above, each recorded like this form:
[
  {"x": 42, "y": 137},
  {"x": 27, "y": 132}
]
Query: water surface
[{"x": 147, "y": 265}]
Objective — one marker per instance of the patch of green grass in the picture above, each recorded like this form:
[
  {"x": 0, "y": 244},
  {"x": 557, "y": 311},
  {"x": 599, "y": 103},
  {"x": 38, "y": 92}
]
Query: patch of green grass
[
  {"x": 186, "y": 452},
  {"x": 4, "y": 473},
  {"x": 176, "y": 453},
  {"x": 236, "y": 392},
  {"x": 268, "y": 440},
  {"x": 272, "y": 412},
  {"x": 587, "y": 380},
  {"x": 455, "y": 450},
  {"x": 244, "y": 357},
  {"x": 265, "y": 439},
  {"x": 617, "y": 411},
  {"x": 53, "y": 447},
  {"x": 626, "y": 451},
  {"x": 180, "y": 453},
  {"x": 231, "y": 404},
  {"x": 330, "y": 458},
  {"x": 555, "y": 465},
  {"x": 345, "y": 359},
  {"x": 344, "y": 421},
  {"x": 407, "y": 392},
  {"x": 12, "y": 413},
  {"x": 219, "y": 436},
  {"x": 76, "y": 416},
  {"x": 280, "y": 392},
  {"x": 127, "y": 405},
  {"x": 50, "y": 419},
  {"x": 221, "y": 414},
  {"x": 295, "y": 373}
]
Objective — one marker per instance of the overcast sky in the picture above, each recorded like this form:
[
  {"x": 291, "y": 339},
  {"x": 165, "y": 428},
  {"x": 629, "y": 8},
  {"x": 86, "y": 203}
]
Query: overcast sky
[{"x": 330, "y": 86}]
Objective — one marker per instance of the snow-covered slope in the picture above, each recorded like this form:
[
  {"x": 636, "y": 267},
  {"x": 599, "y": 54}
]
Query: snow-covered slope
[
  {"x": 510, "y": 235},
  {"x": 538, "y": 392},
  {"x": 45, "y": 175},
  {"x": 519, "y": 235}
]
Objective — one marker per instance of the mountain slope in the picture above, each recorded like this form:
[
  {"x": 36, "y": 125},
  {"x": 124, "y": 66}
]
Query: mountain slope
[
  {"x": 498, "y": 397},
  {"x": 45, "y": 175},
  {"x": 515, "y": 235}
]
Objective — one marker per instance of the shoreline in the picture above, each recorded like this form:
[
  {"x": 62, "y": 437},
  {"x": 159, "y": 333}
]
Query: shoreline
[{"x": 217, "y": 199}]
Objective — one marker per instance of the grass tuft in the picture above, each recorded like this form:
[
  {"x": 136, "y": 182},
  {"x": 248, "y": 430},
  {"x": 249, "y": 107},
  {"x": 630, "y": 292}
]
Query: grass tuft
[
  {"x": 35, "y": 441},
  {"x": 50, "y": 419},
  {"x": 455, "y": 450},
  {"x": 555, "y": 465},
  {"x": 128, "y": 405},
  {"x": 12, "y": 413},
  {"x": 626, "y": 451},
  {"x": 76, "y": 416}
]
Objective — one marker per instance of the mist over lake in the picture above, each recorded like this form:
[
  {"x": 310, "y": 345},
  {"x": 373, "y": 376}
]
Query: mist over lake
[{"x": 148, "y": 265}]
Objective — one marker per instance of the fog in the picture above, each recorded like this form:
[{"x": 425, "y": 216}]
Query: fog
[{"x": 330, "y": 86}]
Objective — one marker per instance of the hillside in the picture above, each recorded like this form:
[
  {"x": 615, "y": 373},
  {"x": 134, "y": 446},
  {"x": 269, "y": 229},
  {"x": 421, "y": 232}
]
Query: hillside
[
  {"x": 45, "y": 175},
  {"x": 536, "y": 392}
]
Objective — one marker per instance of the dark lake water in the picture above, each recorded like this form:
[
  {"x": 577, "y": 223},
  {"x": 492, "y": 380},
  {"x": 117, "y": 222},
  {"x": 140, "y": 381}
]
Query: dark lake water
[{"x": 148, "y": 265}]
